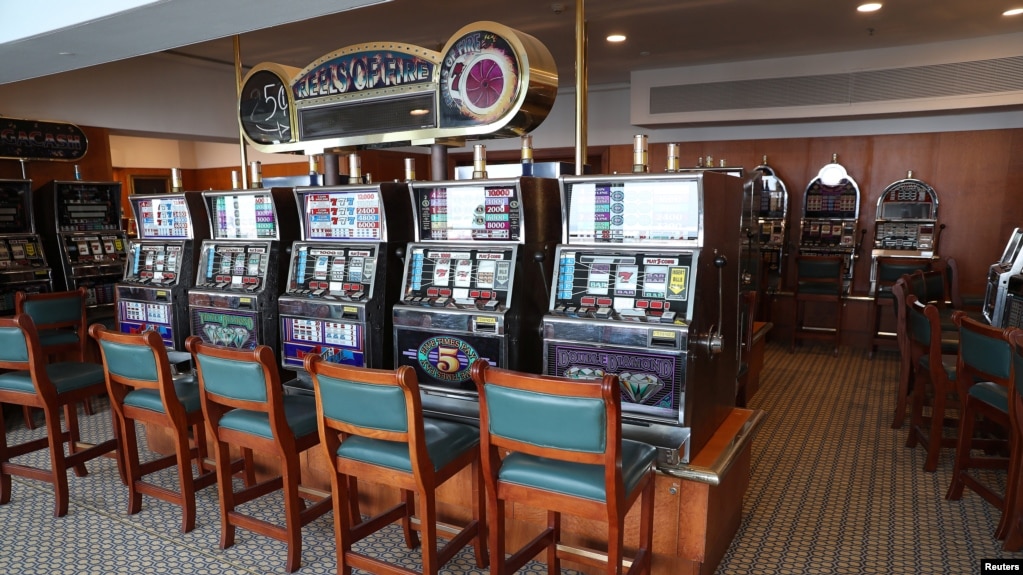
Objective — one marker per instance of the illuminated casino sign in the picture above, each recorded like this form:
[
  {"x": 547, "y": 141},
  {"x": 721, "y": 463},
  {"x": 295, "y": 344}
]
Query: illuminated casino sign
[
  {"x": 35, "y": 140},
  {"x": 488, "y": 81}
]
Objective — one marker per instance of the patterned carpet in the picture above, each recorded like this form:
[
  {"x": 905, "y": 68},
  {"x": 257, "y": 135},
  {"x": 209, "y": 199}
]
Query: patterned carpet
[
  {"x": 833, "y": 488},
  {"x": 833, "y": 491}
]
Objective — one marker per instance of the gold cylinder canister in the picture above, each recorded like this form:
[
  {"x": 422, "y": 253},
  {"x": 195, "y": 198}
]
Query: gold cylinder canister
[
  {"x": 354, "y": 168},
  {"x": 410, "y": 169},
  {"x": 672, "y": 158},
  {"x": 255, "y": 175},
  {"x": 479, "y": 162},
  {"x": 640, "y": 160}
]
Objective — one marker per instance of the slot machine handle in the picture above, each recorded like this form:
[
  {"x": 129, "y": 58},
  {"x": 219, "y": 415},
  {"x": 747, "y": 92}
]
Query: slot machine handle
[
  {"x": 539, "y": 258},
  {"x": 937, "y": 238},
  {"x": 399, "y": 252},
  {"x": 859, "y": 244},
  {"x": 712, "y": 340}
]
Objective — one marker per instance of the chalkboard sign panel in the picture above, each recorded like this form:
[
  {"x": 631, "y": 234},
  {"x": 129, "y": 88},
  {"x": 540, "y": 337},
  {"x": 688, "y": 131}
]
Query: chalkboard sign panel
[
  {"x": 266, "y": 108},
  {"x": 34, "y": 140}
]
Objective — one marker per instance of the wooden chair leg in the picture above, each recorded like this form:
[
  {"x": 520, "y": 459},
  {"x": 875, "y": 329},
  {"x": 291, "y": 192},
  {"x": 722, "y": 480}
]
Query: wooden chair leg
[
  {"x": 902, "y": 400},
  {"x": 498, "y": 561},
  {"x": 554, "y": 524},
  {"x": 408, "y": 498},
  {"x": 479, "y": 515},
  {"x": 428, "y": 526},
  {"x": 225, "y": 490},
  {"x": 937, "y": 425},
  {"x": 1013, "y": 512},
  {"x": 186, "y": 484},
  {"x": 26, "y": 411},
  {"x": 916, "y": 412},
  {"x": 58, "y": 465},
  {"x": 293, "y": 506},
  {"x": 962, "y": 457},
  {"x": 343, "y": 521},
  {"x": 130, "y": 456},
  {"x": 615, "y": 543},
  {"x": 5, "y": 478},
  {"x": 646, "y": 527}
]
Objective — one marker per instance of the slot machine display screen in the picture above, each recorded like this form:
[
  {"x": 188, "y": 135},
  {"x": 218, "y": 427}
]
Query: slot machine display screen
[
  {"x": 334, "y": 270},
  {"x": 1012, "y": 248},
  {"x": 466, "y": 274},
  {"x": 88, "y": 207},
  {"x": 86, "y": 248},
  {"x": 234, "y": 266},
  {"x": 159, "y": 263},
  {"x": 347, "y": 215},
  {"x": 15, "y": 211},
  {"x": 162, "y": 218},
  {"x": 469, "y": 213},
  {"x": 243, "y": 216},
  {"x": 636, "y": 285},
  {"x": 636, "y": 211}
]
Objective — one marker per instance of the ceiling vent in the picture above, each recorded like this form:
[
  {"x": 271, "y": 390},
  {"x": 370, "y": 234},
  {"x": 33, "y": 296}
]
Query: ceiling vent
[{"x": 980, "y": 83}]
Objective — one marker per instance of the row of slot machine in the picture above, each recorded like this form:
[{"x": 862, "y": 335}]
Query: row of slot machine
[
  {"x": 77, "y": 241},
  {"x": 575, "y": 276},
  {"x": 1003, "y": 295},
  {"x": 906, "y": 222}
]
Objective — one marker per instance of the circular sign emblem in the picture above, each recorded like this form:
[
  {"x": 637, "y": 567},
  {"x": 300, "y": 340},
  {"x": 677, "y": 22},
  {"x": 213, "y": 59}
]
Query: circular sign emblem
[
  {"x": 447, "y": 358},
  {"x": 479, "y": 78}
]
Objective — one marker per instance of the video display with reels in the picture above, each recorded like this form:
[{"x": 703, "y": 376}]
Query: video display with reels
[
  {"x": 236, "y": 267},
  {"x": 153, "y": 263},
  {"x": 88, "y": 207},
  {"x": 15, "y": 208},
  {"x": 627, "y": 285},
  {"x": 469, "y": 213},
  {"x": 633, "y": 211},
  {"x": 343, "y": 271},
  {"x": 460, "y": 276},
  {"x": 243, "y": 216},
  {"x": 93, "y": 249},
  {"x": 162, "y": 218},
  {"x": 343, "y": 215}
]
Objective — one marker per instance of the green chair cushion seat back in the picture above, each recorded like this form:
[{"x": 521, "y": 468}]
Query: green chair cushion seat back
[
  {"x": 233, "y": 379},
  {"x": 52, "y": 337},
  {"x": 445, "y": 441},
  {"x": 66, "y": 376},
  {"x": 576, "y": 479},
  {"x": 186, "y": 388},
  {"x": 372, "y": 406},
  {"x": 575, "y": 424},
  {"x": 992, "y": 394},
  {"x": 299, "y": 411}
]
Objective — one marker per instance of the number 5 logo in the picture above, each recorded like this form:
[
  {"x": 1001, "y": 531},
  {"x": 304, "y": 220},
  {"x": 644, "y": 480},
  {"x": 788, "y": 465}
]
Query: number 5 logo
[{"x": 447, "y": 359}]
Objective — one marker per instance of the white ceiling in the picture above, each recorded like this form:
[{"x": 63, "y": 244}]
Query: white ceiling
[{"x": 661, "y": 33}]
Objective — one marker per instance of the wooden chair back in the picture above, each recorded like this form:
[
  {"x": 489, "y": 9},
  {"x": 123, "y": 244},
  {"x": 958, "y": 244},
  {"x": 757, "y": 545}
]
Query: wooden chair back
[
  {"x": 59, "y": 319},
  {"x": 137, "y": 361},
  {"x": 819, "y": 276}
]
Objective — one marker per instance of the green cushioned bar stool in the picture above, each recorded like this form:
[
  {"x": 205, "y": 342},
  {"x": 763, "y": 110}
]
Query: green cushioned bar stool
[
  {"x": 818, "y": 280},
  {"x": 556, "y": 444},
  {"x": 244, "y": 404},
  {"x": 372, "y": 428},
  {"x": 141, "y": 388},
  {"x": 983, "y": 376},
  {"x": 51, "y": 386},
  {"x": 60, "y": 321}
]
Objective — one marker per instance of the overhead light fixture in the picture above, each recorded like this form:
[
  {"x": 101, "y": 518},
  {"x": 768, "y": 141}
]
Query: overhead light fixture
[
  {"x": 869, "y": 7},
  {"x": 1013, "y": 12},
  {"x": 616, "y": 38},
  {"x": 419, "y": 112}
]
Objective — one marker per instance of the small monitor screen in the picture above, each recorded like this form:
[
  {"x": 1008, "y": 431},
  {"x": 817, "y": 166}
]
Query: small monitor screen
[
  {"x": 906, "y": 210},
  {"x": 15, "y": 211},
  {"x": 243, "y": 216},
  {"x": 463, "y": 276},
  {"x": 634, "y": 211},
  {"x": 343, "y": 215},
  {"x": 157, "y": 263},
  {"x": 162, "y": 218},
  {"x": 88, "y": 207},
  {"x": 469, "y": 213}
]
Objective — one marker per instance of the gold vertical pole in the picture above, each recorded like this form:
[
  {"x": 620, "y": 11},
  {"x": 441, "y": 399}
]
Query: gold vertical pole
[
  {"x": 238, "y": 90},
  {"x": 580, "y": 86}
]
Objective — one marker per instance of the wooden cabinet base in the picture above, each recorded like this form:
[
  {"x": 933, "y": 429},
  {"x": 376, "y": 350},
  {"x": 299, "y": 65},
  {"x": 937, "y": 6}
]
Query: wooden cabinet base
[{"x": 695, "y": 519}]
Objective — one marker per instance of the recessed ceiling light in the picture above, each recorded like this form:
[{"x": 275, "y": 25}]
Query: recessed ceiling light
[
  {"x": 419, "y": 112},
  {"x": 65, "y": 53},
  {"x": 1013, "y": 12},
  {"x": 869, "y": 7},
  {"x": 616, "y": 38}
]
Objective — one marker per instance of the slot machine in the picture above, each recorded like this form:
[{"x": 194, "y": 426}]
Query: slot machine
[
  {"x": 23, "y": 264},
  {"x": 646, "y": 287},
  {"x": 999, "y": 274},
  {"x": 831, "y": 213},
  {"x": 906, "y": 224},
  {"x": 153, "y": 295},
  {"x": 475, "y": 283},
  {"x": 772, "y": 231},
  {"x": 242, "y": 267},
  {"x": 344, "y": 276},
  {"x": 81, "y": 231}
]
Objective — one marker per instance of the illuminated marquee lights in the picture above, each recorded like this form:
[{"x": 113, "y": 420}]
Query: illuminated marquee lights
[{"x": 362, "y": 71}]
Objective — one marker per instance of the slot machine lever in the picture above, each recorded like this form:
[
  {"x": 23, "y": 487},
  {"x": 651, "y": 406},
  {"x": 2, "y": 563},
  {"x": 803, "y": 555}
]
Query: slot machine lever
[
  {"x": 539, "y": 257},
  {"x": 712, "y": 340},
  {"x": 399, "y": 252}
]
